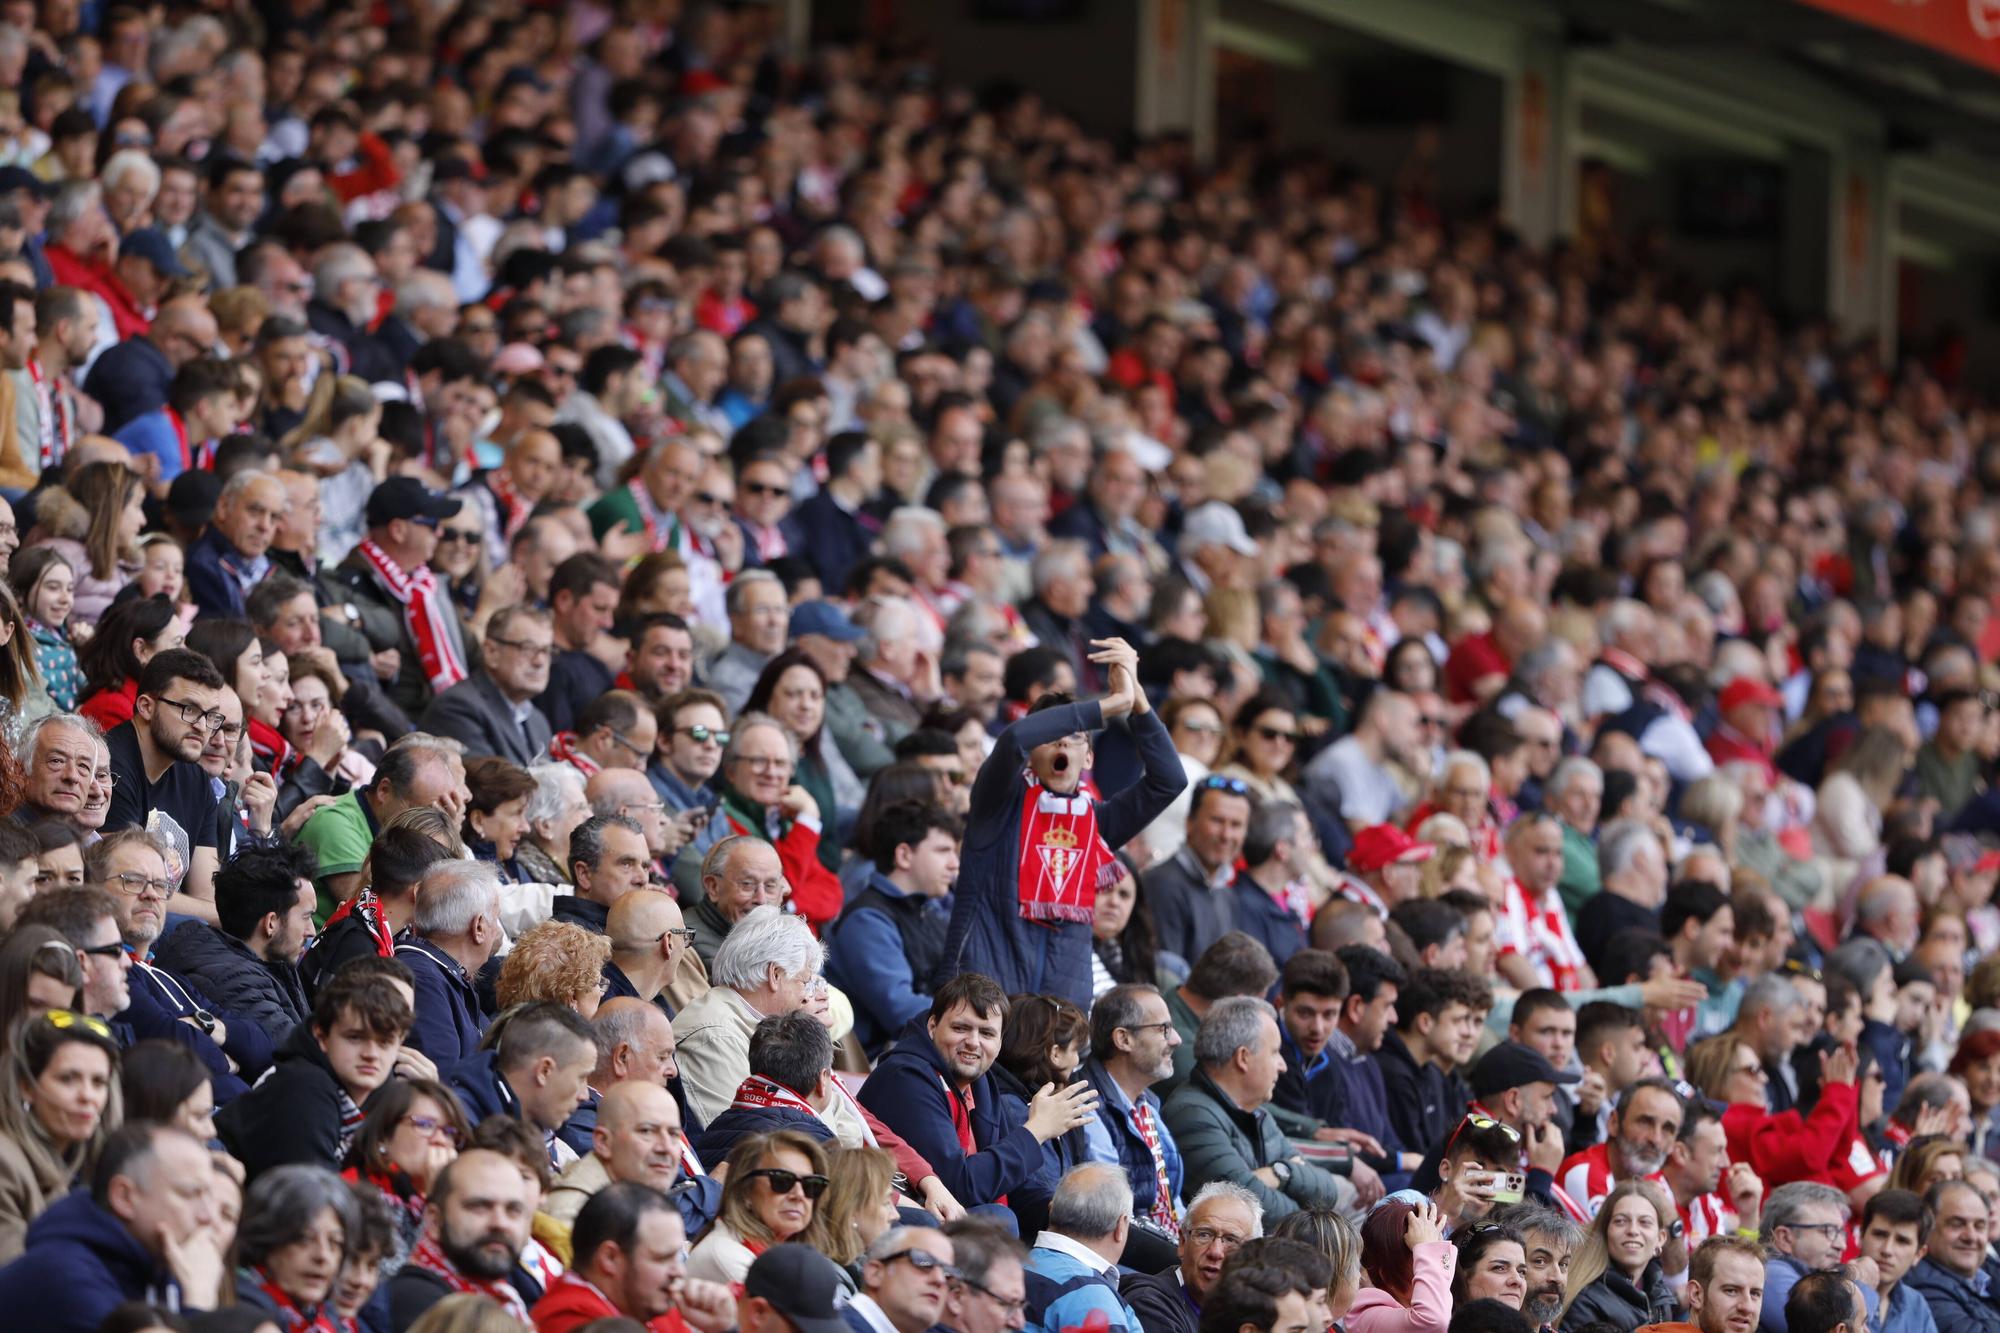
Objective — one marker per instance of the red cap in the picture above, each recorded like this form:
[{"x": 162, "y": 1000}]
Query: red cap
[
  {"x": 1745, "y": 691},
  {"x": 1989, "y": 861},
  {"x": 1384, "y": 844}
]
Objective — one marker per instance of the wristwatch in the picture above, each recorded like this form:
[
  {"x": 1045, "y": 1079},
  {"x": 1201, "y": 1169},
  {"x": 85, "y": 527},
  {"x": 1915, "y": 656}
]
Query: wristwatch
[{"x": 1283, "y": 1171}]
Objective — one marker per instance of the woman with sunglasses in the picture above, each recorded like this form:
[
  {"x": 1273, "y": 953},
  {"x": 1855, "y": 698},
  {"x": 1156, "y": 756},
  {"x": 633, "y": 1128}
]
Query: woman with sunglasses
[
  {"x": 1788, "y": 1146},
  {"x": 1264, "y": 747},
  {"x": 298, "y": 1225},
  {"x": 1617, "y": 1277},
  {"x": 770, "y": 1196},
  {"x": 59, "y": 1105},
  {"x": 413, "y": 1130}
]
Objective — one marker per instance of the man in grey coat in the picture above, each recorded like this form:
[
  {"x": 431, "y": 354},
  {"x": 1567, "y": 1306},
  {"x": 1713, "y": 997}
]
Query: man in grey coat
[
  {"x": 1219, "y": 1121},
  {"x": 492, "y": 711}
]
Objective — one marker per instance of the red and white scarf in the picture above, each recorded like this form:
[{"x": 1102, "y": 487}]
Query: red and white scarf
[
  {"x": 562, "y": 748},
  {"x": 271, "y": 750},
  {"x": 430, "y": 1259},
  {"x": 56, "y": 412},
  {"x": 369, "y": 908},
  {"x": 289, "y": 1317},
  {"x": 426, "y": 612},
  {"x": 1064, "y": 861},
  {"x": 662, "y": 528},
  {"x": 514, "y": 507}
]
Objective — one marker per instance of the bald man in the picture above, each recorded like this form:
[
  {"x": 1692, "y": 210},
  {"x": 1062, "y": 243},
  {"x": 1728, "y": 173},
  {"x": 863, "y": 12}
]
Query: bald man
[
  {"x": 638, "y": 1137},
  {"x": 629, "y": 792},
  {"x": 650, "y": 958}
]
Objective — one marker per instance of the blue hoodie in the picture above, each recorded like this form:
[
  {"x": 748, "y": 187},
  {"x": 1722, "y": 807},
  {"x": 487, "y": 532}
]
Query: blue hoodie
[
  {"x": 80, "y": 1265},
  {"x": 907, "y": 1093}
]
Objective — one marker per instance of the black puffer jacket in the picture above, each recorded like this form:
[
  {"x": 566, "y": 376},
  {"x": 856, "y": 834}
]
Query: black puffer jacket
[
  {"x": 292, "y": 1115},
  {"x": 1615, "y": 1299},
  {"x": 269, "y": 994}
]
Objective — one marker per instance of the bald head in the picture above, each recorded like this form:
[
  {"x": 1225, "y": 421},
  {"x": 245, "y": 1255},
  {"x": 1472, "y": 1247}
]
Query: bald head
[
  {"x": 184, "y": 329},
  {"x": 609, "y": 789},
  {"x": 1520, "y": 626},
  {"x": 631, "y": 1102},
  {"x": 637, "y": 922}
]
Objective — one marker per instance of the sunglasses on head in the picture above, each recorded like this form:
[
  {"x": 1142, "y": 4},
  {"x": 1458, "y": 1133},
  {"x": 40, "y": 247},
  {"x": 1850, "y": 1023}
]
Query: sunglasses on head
[
  {"x": 66, "y": 1019},
  {"x": 783, "y": 1182},
  {"x": 1236, "y": 786},
  {"x": 1480, "y": 1122}
]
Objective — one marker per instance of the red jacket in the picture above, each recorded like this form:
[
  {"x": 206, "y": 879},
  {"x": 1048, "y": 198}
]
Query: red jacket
[
  {"x": 571, "y": 1302},
  {"x": 816, "y": 891},
  {"x": 1787, "y": 1147},
  {"x": 72, "y": 270}
]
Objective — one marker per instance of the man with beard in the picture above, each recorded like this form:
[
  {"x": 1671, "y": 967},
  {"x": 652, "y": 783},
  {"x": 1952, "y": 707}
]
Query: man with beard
[
  {"x": 1694, "y": 1172},
  {"x": 1895, "y": 1227},
  {"x": 630, "y": 1249},
  {"x": 1132, "y": 1042},
  {"x": 475, "y": 1227},
  {"x": 660, "y": 661},
  {"x": 1725, "y": 1287},
  {"x": 160, "y": 785},
  {"x": 249, "y": 963},
  {"x": 1644, "y": 1128},
  {"x": 1220, "y": 1221},
  {"x": 1549, "y": 1239}
]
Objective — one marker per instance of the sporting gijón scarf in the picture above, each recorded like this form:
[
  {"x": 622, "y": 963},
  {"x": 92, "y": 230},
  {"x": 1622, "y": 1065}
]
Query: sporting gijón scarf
[{"x": 1063, "y": 860}]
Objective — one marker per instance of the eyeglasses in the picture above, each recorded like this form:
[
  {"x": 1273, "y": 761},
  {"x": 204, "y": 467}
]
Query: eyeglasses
[
  {"x": 195, "y": 716},
  {"x": 1203, "y": 1237},
  {"x": 431, "y": 1126},
  {"x": 139, "y": 885},
  {"x": 711, "y": 499},
  {"x": 1278, "y": 734},
  {"x": 66, "y": 1019},
  {"x": 1161, "y": 1028},
  {"x": 626, "y": 741},
  {"x": 759, "y": 763},
  {"x": 651, "y": 807},
  {"x": 1201, "y": 728},
  {"x": 1009, "y": 1306},
  {"x": 702, "y": 735},
  {"x": 1754, "y": 1071},
  {"x": 457, "y": 537},
  {"x": 537, "y": 652},
  {"x": 923, "y": 1261},
  {"x": 1831, "y": 1230},
  {"x": 1236, "y": 786},
  {"x": 784, "y": 1182}
]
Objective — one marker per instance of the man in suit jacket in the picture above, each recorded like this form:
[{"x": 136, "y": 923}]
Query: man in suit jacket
[{"x": 493, "y": 710}]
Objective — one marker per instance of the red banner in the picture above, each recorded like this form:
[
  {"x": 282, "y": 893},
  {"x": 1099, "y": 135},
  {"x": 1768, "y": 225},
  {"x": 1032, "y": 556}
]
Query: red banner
[{"x": 1968, "y": 30}]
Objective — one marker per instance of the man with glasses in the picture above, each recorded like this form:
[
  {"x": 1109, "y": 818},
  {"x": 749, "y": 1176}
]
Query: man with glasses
[
  {"x": 492, "y": 711},
  {"x": 1804, "y": 1230},
  {"x": 1222, "y": 1218},
  {"x": 160, "y": 785},
  {"x": 990, "y": 1293},
  {"x": 761, "y": 800},
  {"x": 758, "y": 620},
  {"x": 904, "y": 1277},
  {"x": 739, "y": 874},
  {"x": 887, "y": 944},
  {"x": 652, "y": 957},
  {"x": 1132, "y": 1043},
  {"x": 614, "y": 730},
  {"x": 692, "y": 729},
  {"x": 233, "y": 555}
]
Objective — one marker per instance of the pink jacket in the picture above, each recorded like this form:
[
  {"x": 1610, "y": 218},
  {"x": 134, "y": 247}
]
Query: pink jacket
[{"x": 1429, "y": 1310}]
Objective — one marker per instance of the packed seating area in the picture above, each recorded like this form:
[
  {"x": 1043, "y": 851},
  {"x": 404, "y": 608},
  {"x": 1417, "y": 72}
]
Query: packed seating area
[{"x": 649, "y": 682}]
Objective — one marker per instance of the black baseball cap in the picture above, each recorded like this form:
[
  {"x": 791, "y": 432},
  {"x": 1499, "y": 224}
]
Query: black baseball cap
[
  {"x": 802, "y": 1285},
  {"x": 406, "y": 497},
  {"x": 20, "y": 178},
  {"x": 1510, "y": 1065}
]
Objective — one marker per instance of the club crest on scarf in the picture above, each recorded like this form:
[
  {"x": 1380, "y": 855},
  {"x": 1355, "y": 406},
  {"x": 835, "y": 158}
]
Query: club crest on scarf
[{"x": 1063, "y": 860}]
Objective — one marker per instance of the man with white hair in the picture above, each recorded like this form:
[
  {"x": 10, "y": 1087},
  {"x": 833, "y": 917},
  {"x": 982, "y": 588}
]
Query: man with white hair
[
  {"x": 454, "y": 931},
  {"x": 895, "y": 680},
  {"x": 916, "y": 536},
  {"x": 1072, "y": 1271},
  {"x": 426, "y": 309},
  {"x": 1220, "y": 1220},
  {"x": 1055, "y": 614},
  {"x": 343, "y": 305},
  {"x": 1633, "y": 867},
  {"x": 764, "y": 967}
]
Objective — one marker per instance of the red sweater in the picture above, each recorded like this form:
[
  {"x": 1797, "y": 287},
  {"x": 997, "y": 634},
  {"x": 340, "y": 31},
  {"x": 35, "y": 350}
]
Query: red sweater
[
  {"x": 571, "y": 1302},
  {"x": 1787, "y": 1147}
]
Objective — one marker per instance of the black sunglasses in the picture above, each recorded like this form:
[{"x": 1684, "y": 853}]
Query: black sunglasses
[
  {"x": 924, "y": 1262},
  {"x": 783, "y": 1182}
]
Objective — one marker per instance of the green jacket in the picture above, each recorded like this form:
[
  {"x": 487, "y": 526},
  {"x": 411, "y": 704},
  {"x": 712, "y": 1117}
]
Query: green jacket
[
  {"x": 1579, "y": 882},
  {"x": 1221, "y": 1141},
  {"x": 847, "y": 719}
]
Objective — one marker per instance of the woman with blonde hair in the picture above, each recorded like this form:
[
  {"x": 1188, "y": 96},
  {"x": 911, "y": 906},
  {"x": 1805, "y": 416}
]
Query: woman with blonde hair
[
  {"x": 555, "y": 961},
  {"x": 770, "y": 1196},
  {"x": 1617, "y": 1277},
  {"x": 94, "y": 521},
  {"x": 860, "y": 1205},
  {"x": 1847, "y": 821},
  {"x": 62, "y": 1102}
]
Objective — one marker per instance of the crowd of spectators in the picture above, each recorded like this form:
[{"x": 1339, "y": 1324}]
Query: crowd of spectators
[{"x": 653, "y": 682}]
